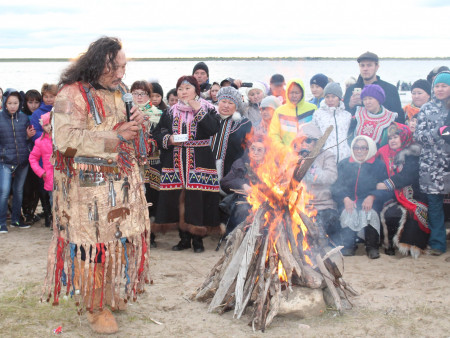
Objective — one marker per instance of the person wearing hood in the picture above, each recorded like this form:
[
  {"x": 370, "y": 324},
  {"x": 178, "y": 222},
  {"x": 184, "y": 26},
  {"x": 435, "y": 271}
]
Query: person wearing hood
[
  {"x": 228, "y": 144},
  {"x": 433, "y": 134},
  {"x": 358, "y": 199},
  {"x": 48, "y": 92},
  {"x": 287, "y": 118},
  {"x": 332, "y": 113},
  {"x": 15, "y": 132},
  {"x": 189, "y": 185},
  {"x": 201, "y": 74},
  {"x": 255, "y": 95},
  {"x": 318, "y": 179},
  {"x": 267, "y": 107}
]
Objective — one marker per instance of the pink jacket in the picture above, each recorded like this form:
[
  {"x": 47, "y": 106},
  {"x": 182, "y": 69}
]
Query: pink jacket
[{"x": 43, "y": 149}]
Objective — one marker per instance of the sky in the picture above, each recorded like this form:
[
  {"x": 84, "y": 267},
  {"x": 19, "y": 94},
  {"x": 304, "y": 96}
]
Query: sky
[{"x": 246, "y": 28}]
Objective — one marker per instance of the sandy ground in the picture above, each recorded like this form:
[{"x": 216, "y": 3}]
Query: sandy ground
[{"x": 399, "y": 297}]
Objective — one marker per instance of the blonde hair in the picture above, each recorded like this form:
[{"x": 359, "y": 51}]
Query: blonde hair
[{"x": 49, "y": 88}]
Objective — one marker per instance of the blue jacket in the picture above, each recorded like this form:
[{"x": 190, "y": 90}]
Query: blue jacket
[
  {"x": 34, "y": 119},
  {"x": 14, "y": 145}
]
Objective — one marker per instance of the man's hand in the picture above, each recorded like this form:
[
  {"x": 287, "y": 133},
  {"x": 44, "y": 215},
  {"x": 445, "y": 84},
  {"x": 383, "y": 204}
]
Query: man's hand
[
  {"x": 368, "y": 203},
  {"x": 137, "y": 115},
  {"x": 129, "y": 130},
  {"x": 355, "y": 100}
]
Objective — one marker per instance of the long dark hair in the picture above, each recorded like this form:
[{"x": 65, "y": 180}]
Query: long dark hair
[
  {"x": 31, "y": 95},
  {"x": 90, "y": 65}
]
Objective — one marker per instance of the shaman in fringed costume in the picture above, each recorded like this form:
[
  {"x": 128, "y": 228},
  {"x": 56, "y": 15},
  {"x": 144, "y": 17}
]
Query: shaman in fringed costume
[
  {"x": 404, "y": 220},
  {"x": 99, "y": 253}
]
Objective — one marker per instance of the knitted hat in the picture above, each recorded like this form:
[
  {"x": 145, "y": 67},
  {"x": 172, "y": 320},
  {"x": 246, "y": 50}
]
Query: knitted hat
[
  {"x": 333, "y": 88},
  {"x": 422, "y": 84},
  {"x": 435, "y": 71},
  {"x": 374, "y": 91},
  {"x": 45, "y": 119},
  {"x": 157, "y": 88},
  {"x": 442, "y": 78},
  {"x": 270, "y": 102},
  {"x": 230, "y": 93},
  {"x": 201, "y": 65},
  {"x": 277, "y": 79},
  {"x": 257, "y": 85},
  {"x": 319, "y": 79},
  {"x": 368, "y": 56}
]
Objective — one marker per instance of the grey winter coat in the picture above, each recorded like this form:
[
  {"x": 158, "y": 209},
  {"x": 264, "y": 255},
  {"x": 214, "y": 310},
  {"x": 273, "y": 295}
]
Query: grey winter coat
[{"x": 435, "y": 155}]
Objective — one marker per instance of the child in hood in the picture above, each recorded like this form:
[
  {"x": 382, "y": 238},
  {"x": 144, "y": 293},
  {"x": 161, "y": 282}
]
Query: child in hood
[{"x": 43, "y": 149}]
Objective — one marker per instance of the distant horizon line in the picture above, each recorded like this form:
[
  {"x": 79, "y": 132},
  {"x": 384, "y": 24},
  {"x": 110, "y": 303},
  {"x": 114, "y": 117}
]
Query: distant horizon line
[{"x": 229, "y": 58}]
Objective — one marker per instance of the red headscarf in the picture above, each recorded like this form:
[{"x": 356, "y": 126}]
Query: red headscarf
[{"x": 388, "y": 154}]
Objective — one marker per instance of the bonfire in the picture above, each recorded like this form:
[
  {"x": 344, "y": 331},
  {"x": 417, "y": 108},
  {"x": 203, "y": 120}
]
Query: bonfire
[{"x": 278, "y": 248}]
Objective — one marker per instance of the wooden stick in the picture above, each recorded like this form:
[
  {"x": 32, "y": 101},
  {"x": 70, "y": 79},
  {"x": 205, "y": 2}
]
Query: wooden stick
[{"x": 329, "y": 280}]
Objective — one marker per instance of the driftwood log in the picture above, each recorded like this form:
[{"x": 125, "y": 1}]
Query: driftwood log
[{"x": 263, "y": 260}]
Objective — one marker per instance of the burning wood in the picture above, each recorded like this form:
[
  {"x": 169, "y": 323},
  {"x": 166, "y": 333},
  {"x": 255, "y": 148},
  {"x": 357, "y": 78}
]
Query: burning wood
[{"x": 280, "y": 248}]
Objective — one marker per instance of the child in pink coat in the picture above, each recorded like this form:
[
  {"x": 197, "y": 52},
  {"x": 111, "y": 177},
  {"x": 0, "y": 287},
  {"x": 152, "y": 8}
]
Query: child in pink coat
[{"x": 43, "y": 149}]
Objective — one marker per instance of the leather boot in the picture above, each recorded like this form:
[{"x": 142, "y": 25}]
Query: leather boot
[
  {"x": 197, "y": 242},
  {"x": 184, "y": 243},
  {"x": 348, "y": 241},
  {"x": 372, "y": 242}
]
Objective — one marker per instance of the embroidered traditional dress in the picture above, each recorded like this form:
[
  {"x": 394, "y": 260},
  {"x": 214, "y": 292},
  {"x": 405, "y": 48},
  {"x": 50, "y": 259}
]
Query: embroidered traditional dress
[
  {"x": 374, "y": 125},
  {"x": 190, "y": 167},
  {"x": 101, "y": 227},
  {"x": 229, "y": 143},
  {"x": 152, "y": 172}
]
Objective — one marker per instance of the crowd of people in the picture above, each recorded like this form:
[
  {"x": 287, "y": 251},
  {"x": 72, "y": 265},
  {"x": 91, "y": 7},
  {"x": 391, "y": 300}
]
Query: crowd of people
[
  {"x": 186, "y": 160},
  {"x": 381, "y": 177}
]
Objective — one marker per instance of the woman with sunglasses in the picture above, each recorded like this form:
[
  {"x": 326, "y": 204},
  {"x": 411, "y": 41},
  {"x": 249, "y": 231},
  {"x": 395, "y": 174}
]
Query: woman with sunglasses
[{"x": 358, "y": 200}]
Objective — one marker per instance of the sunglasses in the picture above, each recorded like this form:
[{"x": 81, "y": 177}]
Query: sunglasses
[{"x": 310, "y": 140}]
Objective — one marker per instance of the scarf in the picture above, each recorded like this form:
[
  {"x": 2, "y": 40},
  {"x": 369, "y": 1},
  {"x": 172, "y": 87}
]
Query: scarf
[
  {"x": 185, "y": 113},
  {"x": 152, "y": 112},
  {"x": 404, "y": 195}
]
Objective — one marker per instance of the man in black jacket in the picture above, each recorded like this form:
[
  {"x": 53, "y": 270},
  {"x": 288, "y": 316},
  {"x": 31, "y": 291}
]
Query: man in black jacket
[{"x": 368, "y": 67}]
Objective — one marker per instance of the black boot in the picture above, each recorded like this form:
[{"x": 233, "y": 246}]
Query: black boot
[
  {"x": 152, "y": 240},
  {"x": 372, "y": 242},
  {"x": 197, "y": 242},
  {"x": 184, "y": 243},
  {"x": 348, "y": 241}
]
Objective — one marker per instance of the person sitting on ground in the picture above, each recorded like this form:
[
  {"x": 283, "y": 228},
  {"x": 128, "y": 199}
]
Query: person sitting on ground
[
  {"x": 368, "y": 67},
  {"x": 255, "y": 95},
  {"x": 238, "y": 179},
  {"x": 172, "y": 97},
  {"x": 332, "y": 113},
  {"x": 317, "y": 85},
  {"x": 373, "y": 119},
  {"x": 357, "y": 198},
  {"x": 318, "y": 179},
  {"x": 433, "y": 134},
  {"x": 288, "y": 117},
  {"x": 404, "y": 220},
  {"x": 267, "y": 107}
]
